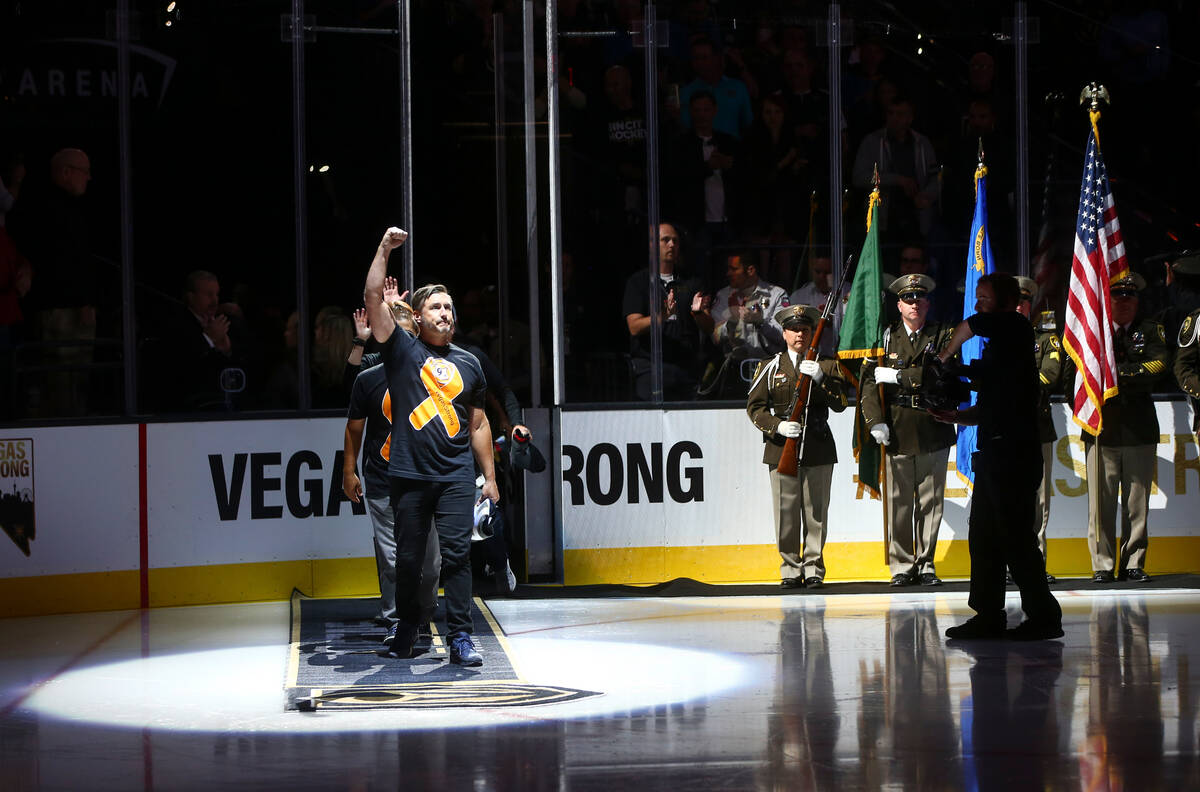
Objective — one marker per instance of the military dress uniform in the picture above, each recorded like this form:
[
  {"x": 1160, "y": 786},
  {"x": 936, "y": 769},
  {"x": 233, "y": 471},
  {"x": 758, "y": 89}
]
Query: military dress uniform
[
  {"x": 1187, "y": 363},
  {"x": 1122, "y": 458},
  {"x": 918, "y": 450},
  {"x": 801, "y": 504},
  {"x": 1048, "y": 353}
]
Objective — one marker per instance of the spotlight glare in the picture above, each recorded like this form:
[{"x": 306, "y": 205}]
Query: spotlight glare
[
  {"x": 171, "y": 6},
  {"x": 920, "y": 50},
  {"x": 311, "y": 168},
  {"x": 323, "y": 169},
  {"x": 168, "y": 23}
]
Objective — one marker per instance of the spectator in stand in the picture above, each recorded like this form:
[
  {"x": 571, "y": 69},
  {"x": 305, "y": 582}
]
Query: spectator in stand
[
  {"x": 816, "y": 292},
  {"x": 807, "y": 109},
  {"x": 51, "y": 230},
  {"x": 745, "y": 328},
  {"x": 705, "y": 179},
  {"x": 208, "y": 348},
  {"x": 620, "y": 176},
  {"x": 333, "y": 337},
  {"x": 687, "y": 324},
  {"x": 908, "y": 173},
  {"x": 729, "y": 94},
  {"x": 779, "y": 183},
  {"x": 868, "y": 68}
]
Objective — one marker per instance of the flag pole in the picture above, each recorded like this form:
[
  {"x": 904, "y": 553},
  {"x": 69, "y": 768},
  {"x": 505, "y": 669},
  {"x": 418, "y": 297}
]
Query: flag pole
[{"x": 884, "y": 496}]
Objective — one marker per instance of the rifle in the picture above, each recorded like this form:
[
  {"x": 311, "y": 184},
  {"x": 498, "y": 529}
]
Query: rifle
[{"x": 789, "y": 461}]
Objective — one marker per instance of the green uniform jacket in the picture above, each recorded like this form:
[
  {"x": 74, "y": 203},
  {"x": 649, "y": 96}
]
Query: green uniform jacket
[
  {"x": 1049, "y": 355},
  {"x": 1187, "y": 363},
  {"x": 770, "y": 403},
  {"x": 1142, "y": 360},
  {"x": 914, "y": 431}
]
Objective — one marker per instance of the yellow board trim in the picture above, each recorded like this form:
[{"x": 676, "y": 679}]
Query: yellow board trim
[{"x": 356, "y": 577}]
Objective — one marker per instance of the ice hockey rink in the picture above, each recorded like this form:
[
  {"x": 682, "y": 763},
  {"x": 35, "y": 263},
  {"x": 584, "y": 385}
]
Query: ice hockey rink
[{"x": 816, "y": 691}]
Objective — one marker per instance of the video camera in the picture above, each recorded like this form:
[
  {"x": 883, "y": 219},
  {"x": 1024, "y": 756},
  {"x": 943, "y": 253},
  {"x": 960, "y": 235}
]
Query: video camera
[{"x": 942, "y": 385}]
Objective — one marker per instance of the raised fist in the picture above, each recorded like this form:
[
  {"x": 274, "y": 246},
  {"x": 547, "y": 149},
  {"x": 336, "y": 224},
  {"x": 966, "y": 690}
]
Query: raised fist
[{"x": 393, "y": 238}]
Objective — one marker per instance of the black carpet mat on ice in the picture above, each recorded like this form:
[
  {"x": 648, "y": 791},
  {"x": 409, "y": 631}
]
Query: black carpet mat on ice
[
  {"x": 334, "y": 662},
  {"x": 687, "y": 587}
]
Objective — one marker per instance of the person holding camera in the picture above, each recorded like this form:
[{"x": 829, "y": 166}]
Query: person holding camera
[
  {"x": 918, "y": 446},
  {"x": 1008, "y": 466},
  {"x": 800, "y": 503}
]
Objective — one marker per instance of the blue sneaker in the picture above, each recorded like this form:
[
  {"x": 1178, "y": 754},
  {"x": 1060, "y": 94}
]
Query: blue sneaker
[
  {"x": 462, "y": 650},
  {"x": 399, "y": 640}
]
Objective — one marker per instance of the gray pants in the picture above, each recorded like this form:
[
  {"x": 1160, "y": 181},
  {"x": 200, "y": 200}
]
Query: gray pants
[
  {"x": 916, "y": 494},
  {"x": 1129, "y": 469},
  {"x": 801, "y": 507},
  {"x": 380, "y": 510}
]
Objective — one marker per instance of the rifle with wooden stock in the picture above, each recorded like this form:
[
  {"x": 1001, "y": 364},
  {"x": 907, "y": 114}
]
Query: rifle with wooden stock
[{"x": 793, "y": 447}]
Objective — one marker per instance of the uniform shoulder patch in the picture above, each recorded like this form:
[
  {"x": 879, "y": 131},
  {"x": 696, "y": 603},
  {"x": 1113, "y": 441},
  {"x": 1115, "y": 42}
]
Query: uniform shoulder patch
[{"x": 1187, "y": 330}]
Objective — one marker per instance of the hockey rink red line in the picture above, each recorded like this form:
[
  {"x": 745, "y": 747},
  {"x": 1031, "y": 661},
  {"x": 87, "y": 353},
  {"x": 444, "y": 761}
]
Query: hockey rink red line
[
  {"x": 143, "y": 524},
  {"x": 121, "y": 625}
]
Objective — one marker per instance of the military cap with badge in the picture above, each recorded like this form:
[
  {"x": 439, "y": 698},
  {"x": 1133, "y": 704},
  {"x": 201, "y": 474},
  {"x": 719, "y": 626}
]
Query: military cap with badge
[
  {"x": 1128, "y": 286},
  {"x": 793, "y": 317},
  {"x": 914, "y": 286},
  {"x": 1028, "y": 287}
]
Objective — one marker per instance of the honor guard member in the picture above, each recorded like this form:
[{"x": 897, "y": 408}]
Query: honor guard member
[
  {"x": 800, "y": 504},
  {"x": 1048, "y": 354},
  {"x": 1187, "y": 364},
  {"x": 1121, "y": 459},
  {"x": 918, "y": 446},
  {"x": 1180, "y": 291}
]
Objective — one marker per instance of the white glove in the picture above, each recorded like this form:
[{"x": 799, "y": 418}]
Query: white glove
[
  {"x": 788, "y": 429},
  {"x": 887, "y": 376},
  {"x": 812, "y": 369},
  {"x": 881, "y": 432}
]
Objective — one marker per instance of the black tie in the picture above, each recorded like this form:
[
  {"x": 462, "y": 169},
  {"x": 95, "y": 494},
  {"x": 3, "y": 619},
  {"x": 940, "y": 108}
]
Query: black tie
[{"x": 912, "y": 338}]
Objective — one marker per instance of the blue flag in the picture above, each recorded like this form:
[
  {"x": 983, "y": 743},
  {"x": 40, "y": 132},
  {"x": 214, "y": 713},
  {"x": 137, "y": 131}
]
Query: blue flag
[{"x": 979, "y": 263}]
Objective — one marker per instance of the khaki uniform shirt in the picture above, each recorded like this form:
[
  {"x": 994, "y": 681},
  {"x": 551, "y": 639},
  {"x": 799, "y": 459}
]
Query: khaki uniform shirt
[
  {"x": 770, "y": 403},
  {"x": 914, "y": 431},
  {"x": 1142, "y": 360}
]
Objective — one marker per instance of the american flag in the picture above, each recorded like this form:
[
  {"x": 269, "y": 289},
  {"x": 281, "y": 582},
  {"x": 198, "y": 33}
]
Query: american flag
[{"x": 1098, "y": 260}]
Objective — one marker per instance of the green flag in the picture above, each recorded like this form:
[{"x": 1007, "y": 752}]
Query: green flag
[{"x": 861, "y": 338}]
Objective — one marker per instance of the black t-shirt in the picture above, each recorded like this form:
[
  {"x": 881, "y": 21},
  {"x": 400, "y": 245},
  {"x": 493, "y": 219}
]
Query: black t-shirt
[
  {"x": 681, "y": 336},
  {"x": 369, "y": 399},
  {"x": 432, "y": 392},
  {"x": 1006, "y": 377}
]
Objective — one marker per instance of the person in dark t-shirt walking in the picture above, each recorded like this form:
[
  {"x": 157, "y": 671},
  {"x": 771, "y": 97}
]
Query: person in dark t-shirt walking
[{"x": 439, "y": 434}]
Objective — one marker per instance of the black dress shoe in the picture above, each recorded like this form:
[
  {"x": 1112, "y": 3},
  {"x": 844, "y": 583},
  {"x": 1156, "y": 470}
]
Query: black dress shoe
[
  {"x": 930, "y": 579},
  {"x": 1136, "y": 575},
  {"x": 900, "y": 580},
  {"x": 978, "y": 628},
  {"x": 814, "y": 582},
  {"x": 792, "y": 583},
  {"x": 1103, "y": 576},
  {"x": 1029, "y": 630}
]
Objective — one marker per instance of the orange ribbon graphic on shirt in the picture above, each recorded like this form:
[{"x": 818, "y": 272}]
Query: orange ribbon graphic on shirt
[
  {"x": 443, "y": 382},
  {"x": 386, "y": 450}
]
